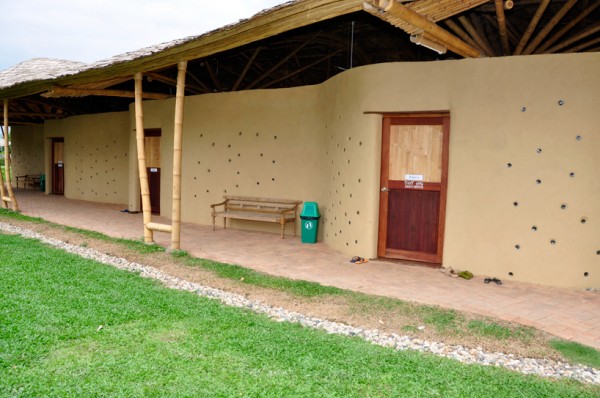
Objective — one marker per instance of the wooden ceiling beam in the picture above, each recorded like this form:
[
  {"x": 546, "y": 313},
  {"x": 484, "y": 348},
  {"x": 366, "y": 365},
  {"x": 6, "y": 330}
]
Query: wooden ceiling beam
[
  {"x": 532, "y": 25},
  {"x": 574, "y": 39},
  {"x": 171, "y": 82},
  {"x": 462, "y": 34},
  {"x": 322, "y": 59},
  {"x": 567, "y": 27},
  {"x": 502, "y": 30},
  {"x": 475, "y": 35},
  {"x": 104, "y": 83},
  {"x": 59, "y": 91},
  {"x": 549, "y": 26},
  {"x": 212, "y": 75},
  {"x": 38, "y": 114},
  {"x": 399, "y": 12},
  {"x": 282, "y": 61},
  {"x": 478, "y": 25},
  {"x": 582, "y": 46},
  {"x": 246, "y": 69},
  {"x": 199, "y": 82}
]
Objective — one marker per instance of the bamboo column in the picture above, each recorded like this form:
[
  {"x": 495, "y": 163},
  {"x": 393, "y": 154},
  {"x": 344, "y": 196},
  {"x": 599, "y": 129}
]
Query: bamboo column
[
  {"x": 177, "y": 156},
  {"x": 11, "y": 195},
  {"x": 139, "y": 135}
]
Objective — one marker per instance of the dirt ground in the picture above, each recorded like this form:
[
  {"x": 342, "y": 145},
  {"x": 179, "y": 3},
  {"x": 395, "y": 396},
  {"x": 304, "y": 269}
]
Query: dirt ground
[{"x": 387, "y": 315}]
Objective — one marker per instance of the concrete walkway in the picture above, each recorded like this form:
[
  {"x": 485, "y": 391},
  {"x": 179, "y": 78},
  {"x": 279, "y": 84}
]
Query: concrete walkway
[{"x": 567, "y": 313}]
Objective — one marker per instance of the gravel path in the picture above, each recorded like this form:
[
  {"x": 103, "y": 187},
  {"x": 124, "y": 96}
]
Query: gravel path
[{"x": 540, "y": 367}]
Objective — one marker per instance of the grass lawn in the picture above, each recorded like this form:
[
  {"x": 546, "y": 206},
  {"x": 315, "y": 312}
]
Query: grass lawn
[{"x": 159, "y": 342}]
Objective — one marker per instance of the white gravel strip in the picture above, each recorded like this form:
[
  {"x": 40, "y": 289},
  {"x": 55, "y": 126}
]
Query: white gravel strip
[{"x": 540, "y": 367}]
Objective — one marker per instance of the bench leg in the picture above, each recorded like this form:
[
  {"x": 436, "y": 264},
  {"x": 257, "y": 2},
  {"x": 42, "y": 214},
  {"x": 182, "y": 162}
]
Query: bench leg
[
  {"x": 294, "y": 225},
  {"x": 213, "y": 217},
  {"x": 282, "y": 222}
]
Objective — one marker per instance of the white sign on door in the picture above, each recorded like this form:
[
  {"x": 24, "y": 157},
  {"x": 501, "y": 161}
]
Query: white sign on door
[{"x": 413, "y": 177}]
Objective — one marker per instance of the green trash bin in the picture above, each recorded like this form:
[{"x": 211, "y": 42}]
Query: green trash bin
[
  {"x": 310, "y": 222},
  {"x": 43, "y": 183}
]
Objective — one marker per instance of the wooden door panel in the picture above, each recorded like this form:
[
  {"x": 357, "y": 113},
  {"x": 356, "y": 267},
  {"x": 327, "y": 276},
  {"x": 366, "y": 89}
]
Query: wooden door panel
[
  {"x": 154, "y": 186},
  {"x": 413, "y": 220},
  {"x": 416, "y": 150},
  {"x": 58, "y": 166}
]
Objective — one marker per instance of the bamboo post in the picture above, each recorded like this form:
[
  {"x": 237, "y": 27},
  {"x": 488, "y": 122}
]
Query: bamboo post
[
  {"x": 2, "y": 192},
  {"x": 177, "y": 156},
  {"x": 141, "y": 155},
  {"x": 7, "y": 173}
]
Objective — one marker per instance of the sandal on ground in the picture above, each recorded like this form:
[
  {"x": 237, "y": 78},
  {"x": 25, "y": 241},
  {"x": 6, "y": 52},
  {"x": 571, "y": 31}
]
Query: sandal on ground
[{"x": 495, "y": 280}]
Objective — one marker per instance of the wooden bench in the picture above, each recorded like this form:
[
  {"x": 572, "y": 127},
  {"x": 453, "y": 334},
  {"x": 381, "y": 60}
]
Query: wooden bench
[
  {"x": 280, "y": 211},
  {"x": 29, "y": 180}
]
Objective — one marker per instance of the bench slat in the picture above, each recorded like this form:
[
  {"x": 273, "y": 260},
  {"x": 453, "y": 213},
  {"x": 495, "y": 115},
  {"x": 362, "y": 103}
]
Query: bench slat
[{"x": 280, "y": 211}]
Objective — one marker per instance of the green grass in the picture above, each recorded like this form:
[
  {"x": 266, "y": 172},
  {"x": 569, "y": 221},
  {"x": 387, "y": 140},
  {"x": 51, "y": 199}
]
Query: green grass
[
  {"x": 444, "y": 321},
  {"x": 578, "y": 353},
  {"x": 159, "y": 342}
]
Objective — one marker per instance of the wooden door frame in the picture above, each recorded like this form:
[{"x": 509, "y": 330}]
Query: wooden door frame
[{"x": 425, "y": 118}]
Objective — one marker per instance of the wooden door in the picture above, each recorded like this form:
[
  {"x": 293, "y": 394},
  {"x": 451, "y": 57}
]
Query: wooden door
[
  {"x": 152, "y": 151},
  {"x": 414, "y": 170},
  {"x": 58, "y": 166}
]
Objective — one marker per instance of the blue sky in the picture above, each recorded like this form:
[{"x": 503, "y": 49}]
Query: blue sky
[{"x": 91, "y": 30}]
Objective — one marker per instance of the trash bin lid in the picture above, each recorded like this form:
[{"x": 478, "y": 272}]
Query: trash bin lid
[{"x": 310, "y": 209}]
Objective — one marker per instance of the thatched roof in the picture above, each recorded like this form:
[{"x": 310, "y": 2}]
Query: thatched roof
[
  {"x": 305, "y": 42},
  {"x": 39, "y": 69}
]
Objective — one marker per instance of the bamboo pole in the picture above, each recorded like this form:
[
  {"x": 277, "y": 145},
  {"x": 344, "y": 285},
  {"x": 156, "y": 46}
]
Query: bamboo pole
[
  {"x": 502, "y": 26},
  {"x": 549, "y": 26},
  {"x": 532, "y": 25},
  {"x": 141, "y": 155},
  {"x": 177, "y": 156},
  {"x": 567, "y": 27},
  {"x": 7, "y": 173},
  {"x": 462, "y": 34},
  {"x": 5, "y": 199},
  {"x": 475, "y": 35},
  {"x": 415, "y": 19},
  {"x": 574, "y": 39}
]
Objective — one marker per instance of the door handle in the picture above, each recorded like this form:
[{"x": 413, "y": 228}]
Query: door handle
[{"x": 384, "y": 189}]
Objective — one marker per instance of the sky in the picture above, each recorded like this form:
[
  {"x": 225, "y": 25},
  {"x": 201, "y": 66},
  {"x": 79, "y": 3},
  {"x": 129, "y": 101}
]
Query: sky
[{"x": 91, "y": 30}]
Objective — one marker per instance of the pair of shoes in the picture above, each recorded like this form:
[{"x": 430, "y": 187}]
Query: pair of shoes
[
  {"x": 359, "y": 260},
  {"x": 495, "y": 280}
]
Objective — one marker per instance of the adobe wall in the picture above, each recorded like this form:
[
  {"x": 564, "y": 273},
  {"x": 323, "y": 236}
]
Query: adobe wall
[
  {"x": 537, "y": 113},
  {"x": 27, "y": 150},
  {"x": 96, "y": 156},
  {"x": 317, "y": 143}
]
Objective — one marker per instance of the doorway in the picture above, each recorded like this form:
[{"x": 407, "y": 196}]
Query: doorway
[
  {"x": 152, "y": 152},
  {"x": 58, "y": 166},
  {"x": 414, "y": 180}
]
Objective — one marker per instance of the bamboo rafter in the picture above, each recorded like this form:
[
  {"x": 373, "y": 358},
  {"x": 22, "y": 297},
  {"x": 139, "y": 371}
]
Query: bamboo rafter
[
  {"x": 549, "y": 26},
  {"x": 59, "y": 91},
  {"x": 532, "y": 25},
  {"x": 567, "y": 27},
  {"x": 400, "y": 15},
  {"x": 502, "y": 30},
  {"x": 574, "y": 39},
  {"x": 481, "y": 43}
]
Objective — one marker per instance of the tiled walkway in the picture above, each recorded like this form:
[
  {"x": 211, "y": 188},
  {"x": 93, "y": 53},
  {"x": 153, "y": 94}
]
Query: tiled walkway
[{"x": 568, "y": 313}]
